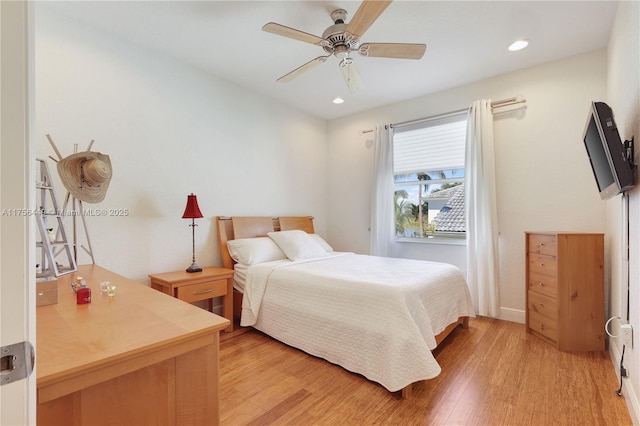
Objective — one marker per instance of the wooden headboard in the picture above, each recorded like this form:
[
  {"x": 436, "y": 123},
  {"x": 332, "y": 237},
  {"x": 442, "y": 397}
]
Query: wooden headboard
[{"x": 231, "y": 228}]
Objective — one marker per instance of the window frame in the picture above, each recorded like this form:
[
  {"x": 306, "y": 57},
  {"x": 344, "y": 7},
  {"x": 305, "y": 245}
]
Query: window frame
[{"x": 440, "y": 237}]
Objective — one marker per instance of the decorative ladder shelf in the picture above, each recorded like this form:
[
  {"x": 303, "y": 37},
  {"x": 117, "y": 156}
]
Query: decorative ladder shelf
[{"x": 54, "y": 242}]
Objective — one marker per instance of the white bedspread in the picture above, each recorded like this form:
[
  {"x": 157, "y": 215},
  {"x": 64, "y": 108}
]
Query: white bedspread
[{"x": 372, "y": 315}]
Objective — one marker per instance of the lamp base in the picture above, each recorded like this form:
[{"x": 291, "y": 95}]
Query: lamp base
[{"x": 194, "y": 268}]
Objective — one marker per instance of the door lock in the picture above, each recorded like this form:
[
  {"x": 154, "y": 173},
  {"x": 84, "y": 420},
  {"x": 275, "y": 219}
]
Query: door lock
[{"x": 16, "y": 362}]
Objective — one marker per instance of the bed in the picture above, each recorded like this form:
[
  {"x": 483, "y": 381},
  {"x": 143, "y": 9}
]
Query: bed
[{"x": 378, "y": 317}]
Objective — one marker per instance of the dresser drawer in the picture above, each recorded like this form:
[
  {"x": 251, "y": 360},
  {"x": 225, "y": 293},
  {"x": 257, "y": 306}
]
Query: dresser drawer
[
  {"x": 542, "y": 244},
  {"x": 202, "y": 291},
  {"x": 543, "y": 284},
  {"x": 543, "y": 305},
  {"x": 546, "y": 326},
  {"x": 541, "y": 264}
]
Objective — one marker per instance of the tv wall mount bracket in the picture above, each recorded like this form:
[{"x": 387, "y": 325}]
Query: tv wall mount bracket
[{"x": 629, "y": 152}]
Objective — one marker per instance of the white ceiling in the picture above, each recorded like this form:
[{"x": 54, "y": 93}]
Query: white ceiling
[{"x": 466, "y": 41}]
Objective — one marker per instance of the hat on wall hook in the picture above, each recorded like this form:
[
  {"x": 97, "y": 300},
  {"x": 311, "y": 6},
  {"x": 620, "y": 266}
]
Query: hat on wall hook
[{"x": 86, "y": 175}]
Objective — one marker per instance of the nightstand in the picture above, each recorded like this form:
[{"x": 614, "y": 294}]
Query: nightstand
[{"x": 194, "y": 286}]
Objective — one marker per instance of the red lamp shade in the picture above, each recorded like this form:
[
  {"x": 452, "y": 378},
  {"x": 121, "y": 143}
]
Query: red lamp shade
[{"x": 192, "y": 211}]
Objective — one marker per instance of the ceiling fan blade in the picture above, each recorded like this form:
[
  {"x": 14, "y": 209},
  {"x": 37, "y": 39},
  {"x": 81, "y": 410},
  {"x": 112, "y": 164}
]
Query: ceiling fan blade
[
  {"x": 393, "y": 50},
  {"x": 306, "y": 67},
  {"x": 366, "y": 15},
  {"x": 351, "y": 75},
  {"x": 281, "y": 30}
]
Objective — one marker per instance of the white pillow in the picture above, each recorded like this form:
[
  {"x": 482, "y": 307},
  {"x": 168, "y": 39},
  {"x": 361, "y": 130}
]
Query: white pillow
[
  {"x": 297, "y": 245},
  {"x": 251, "y": 251},
  {"x": 325, "y": 245}
]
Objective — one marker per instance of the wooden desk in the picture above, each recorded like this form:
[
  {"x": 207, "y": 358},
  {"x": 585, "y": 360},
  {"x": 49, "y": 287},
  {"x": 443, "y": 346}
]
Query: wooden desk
[
  {"x": 136, "y": 358},
  {"x": 191, "y": 287}
]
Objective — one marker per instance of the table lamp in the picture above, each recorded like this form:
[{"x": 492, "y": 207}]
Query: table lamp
[{"x": 192, "y": 211}]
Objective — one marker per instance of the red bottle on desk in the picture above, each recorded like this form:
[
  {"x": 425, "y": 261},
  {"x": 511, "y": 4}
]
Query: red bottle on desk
[{"x": 83, "y": 296}]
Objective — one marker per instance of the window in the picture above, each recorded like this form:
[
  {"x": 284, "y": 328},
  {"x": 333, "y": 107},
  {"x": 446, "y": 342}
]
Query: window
[{"x": 428, "y": 168}]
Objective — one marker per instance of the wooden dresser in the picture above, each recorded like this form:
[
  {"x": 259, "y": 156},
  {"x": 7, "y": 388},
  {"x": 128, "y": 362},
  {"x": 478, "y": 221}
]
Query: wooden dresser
[
  {"x": 565, "y": 289},
  {"x": 139, "y": 357}
]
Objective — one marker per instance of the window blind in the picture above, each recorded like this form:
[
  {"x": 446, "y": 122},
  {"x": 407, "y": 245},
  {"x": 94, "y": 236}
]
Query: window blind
[{"x": 434, "y": 145}]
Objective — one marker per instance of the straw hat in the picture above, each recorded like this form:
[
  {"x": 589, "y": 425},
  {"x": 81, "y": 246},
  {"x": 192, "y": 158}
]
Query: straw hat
[{"x": 86, "y": 175}]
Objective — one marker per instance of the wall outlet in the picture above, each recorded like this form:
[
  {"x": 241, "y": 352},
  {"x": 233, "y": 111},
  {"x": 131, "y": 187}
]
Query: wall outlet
[{"x": 626, "y": 334}]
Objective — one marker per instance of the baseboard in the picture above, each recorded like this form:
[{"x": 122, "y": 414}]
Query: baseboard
[
  {"x": 628, "y": 391},
  {"x": 204, "y": 304},
  {"x": 513, "y": 315},
  {"x": 217, "y": 310}
]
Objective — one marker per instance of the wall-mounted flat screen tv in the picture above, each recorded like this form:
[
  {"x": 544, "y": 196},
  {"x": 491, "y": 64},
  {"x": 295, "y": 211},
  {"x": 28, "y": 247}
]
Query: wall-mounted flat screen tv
[{"x": 611, "y": 160}]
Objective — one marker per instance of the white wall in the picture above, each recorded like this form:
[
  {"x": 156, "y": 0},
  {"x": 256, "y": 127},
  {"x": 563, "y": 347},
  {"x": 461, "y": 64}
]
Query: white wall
[
  {"x": 170, "y": 130},
  {"x": 544, "y": 181},
  {"x": 623, "y": 95}
]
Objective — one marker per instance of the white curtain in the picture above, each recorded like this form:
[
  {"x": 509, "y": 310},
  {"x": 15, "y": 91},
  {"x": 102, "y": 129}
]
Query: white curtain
[
  {"x": 382, "y": 209},
  {"x": 481, "y": 211}
]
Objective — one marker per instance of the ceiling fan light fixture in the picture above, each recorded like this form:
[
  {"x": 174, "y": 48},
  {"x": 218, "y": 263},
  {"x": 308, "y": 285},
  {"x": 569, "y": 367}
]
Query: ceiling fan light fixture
[
  {"x": 341, "y": 51},
  {"x": 350, "y": 74},
  {"x": 518, "y": 45}
]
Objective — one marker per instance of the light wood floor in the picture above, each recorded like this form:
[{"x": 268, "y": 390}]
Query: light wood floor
[{"x": 494, "y": 373}]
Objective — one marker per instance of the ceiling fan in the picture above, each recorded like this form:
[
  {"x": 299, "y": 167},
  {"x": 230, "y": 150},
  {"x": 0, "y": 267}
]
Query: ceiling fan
[{"x": 341, "y": 39}]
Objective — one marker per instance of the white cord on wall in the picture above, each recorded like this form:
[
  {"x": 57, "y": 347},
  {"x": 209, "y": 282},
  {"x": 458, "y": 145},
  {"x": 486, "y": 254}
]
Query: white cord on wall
[{"x": 606, "y": 326}]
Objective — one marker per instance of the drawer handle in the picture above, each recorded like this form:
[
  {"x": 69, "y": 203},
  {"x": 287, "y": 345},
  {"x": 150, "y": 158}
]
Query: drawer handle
[
  {"x": 204, "y": 291},
  {"x": 542, "y": 264},
  {"x": 541, "y": 284},
  {"x": 540, "y": 244},
  {"x": 541, "y": 326}
]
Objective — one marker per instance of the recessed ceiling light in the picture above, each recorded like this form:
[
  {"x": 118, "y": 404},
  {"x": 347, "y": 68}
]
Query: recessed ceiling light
[
  {"x": 518, "y": 45},
  {"x": 338, "y": 100}
]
